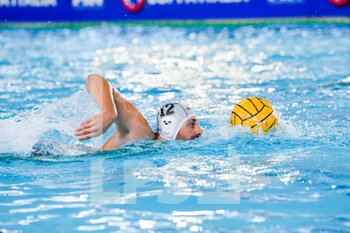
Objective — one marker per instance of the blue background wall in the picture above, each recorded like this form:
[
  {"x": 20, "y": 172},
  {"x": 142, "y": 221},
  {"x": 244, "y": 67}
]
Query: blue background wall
[{"x": 96, "y": 10}]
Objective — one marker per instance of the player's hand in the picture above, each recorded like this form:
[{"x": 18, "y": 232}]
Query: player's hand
[{"x": 94, "y": 126}]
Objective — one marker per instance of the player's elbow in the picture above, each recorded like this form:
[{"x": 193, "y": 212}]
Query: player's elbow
[
  {"x": 91, "y": 78},
  {"x": 94, "y": 80}
]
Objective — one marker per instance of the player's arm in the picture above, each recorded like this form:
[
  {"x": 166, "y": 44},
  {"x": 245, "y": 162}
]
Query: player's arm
[
  {"x": 102, "y": 92},
  {"x": 131, "y": 124},
  {"x": 116, "y": 140}
]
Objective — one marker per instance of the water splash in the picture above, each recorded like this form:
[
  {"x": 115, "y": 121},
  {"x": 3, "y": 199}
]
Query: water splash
[{"x": 49, "y": 125}]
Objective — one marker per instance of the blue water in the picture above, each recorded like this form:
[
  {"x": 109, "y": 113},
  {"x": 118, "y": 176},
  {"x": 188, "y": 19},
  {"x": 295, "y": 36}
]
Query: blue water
[{"x": 293, "y": 179}]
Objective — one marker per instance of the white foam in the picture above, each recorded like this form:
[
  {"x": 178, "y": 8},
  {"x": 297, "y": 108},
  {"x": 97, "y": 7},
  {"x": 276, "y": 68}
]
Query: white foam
[{"x": 21, "y": 132}]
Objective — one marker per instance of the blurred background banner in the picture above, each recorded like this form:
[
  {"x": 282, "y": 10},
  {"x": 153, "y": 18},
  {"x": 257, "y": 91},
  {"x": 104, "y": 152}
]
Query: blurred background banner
[{"x": 119, "y": 10}]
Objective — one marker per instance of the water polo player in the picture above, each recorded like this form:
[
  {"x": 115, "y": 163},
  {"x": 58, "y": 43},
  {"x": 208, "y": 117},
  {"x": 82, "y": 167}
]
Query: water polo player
[{"x": 174, "y": 120}]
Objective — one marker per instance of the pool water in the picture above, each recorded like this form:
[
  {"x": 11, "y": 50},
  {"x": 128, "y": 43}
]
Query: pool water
[{"x": 293, "y": 179}]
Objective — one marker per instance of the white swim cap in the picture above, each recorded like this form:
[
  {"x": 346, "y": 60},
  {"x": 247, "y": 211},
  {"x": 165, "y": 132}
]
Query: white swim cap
[{"x": 170, "y": 119}]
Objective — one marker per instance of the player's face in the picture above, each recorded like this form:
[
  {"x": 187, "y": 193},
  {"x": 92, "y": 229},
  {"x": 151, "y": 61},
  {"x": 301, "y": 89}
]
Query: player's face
[{"x": 189, "y": 130}]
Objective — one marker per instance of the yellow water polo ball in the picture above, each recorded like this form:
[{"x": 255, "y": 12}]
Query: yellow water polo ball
[{"x": 254, "y": 112}]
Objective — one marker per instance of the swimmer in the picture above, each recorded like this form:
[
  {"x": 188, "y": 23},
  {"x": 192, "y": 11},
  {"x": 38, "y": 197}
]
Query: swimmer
[{"x": 174, "y": 120}]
